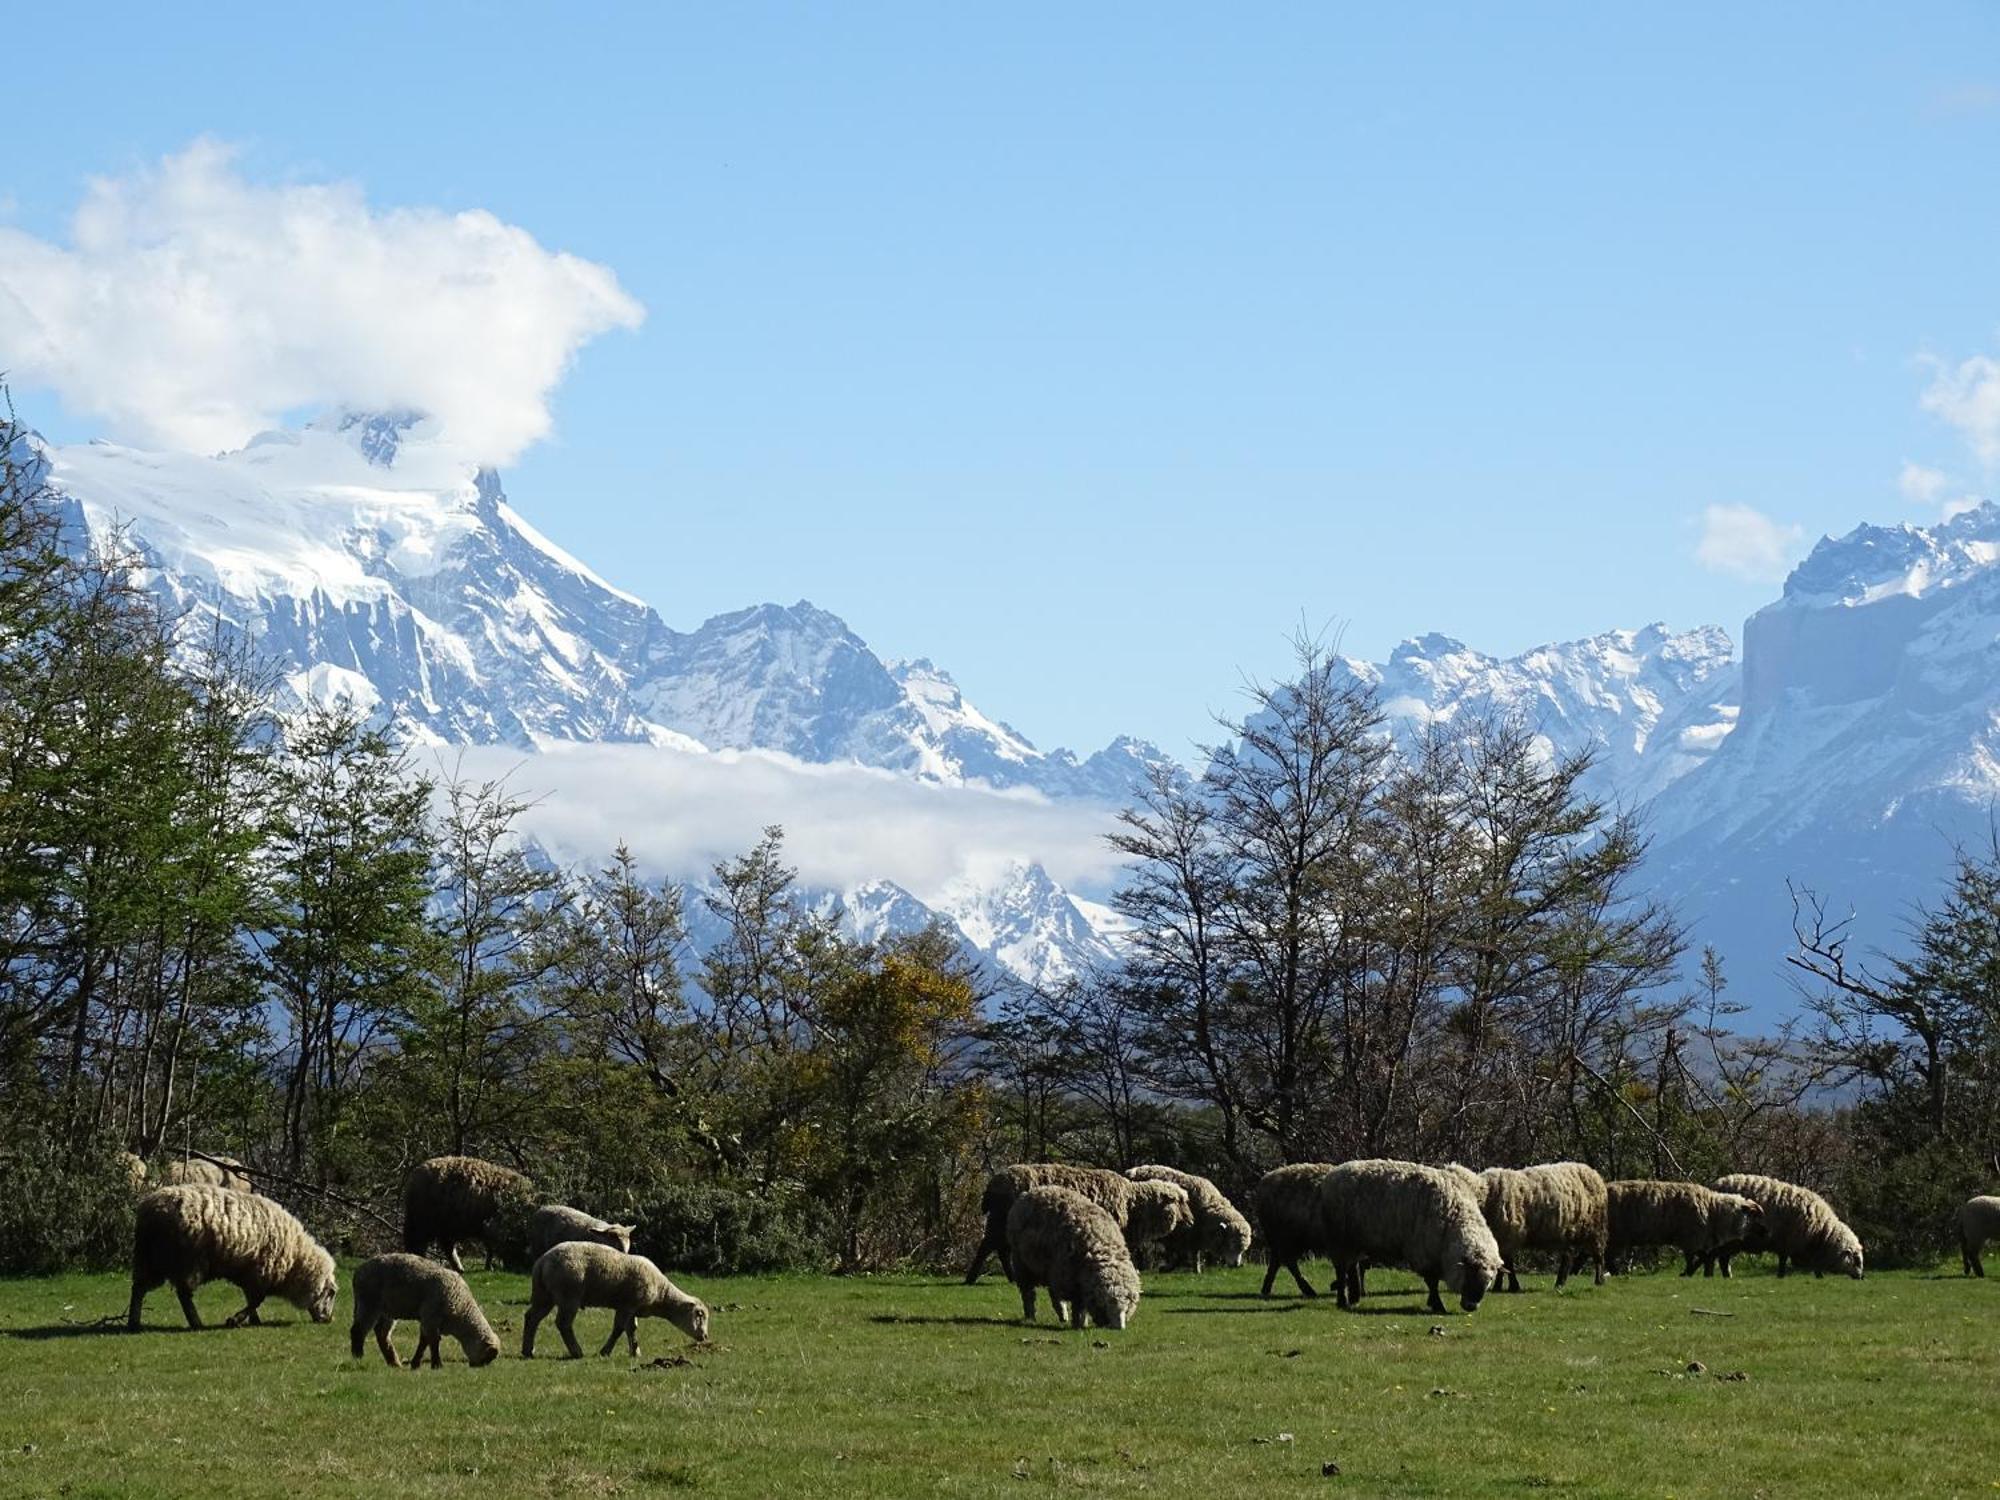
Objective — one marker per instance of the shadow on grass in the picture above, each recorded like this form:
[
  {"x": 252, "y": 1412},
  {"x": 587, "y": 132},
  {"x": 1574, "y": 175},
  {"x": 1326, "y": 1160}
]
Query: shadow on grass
[
  {"x": 88, "y": 1330},
  {"x": 1259, "y": 1307},
  {"x": 963, "y": 1321}
]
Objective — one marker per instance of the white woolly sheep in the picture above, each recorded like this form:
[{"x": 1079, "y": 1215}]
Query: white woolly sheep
[
  {"x": 1695, "y": 1220},
  {"x": 553, "y": 1224},
  {"x": 1143, "y": 1211},
  {"x": 400, "y": 1285},
  {"x": 1288, "y": 1219},
  {"x": 1403, "y": 1213},
  {"x": 189, "y": 1235},
  {"x": 1218, "y": 1230},
  {"x": 209, "y": 1171},
  {"x": 1557, "y": 1206},
  {"x": 453, "y": 1198},
  {"x": 134, "y": 1167},
  {"x": 579, "y": 1274},
  {"x": 1061, "y": 1240},
  {"x": 1978, "y": 1222},
  {"x": 1798, "y": 1224}
]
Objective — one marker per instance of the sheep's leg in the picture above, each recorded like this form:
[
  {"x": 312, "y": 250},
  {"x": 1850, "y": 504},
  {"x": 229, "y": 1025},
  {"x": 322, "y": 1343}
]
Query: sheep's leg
[
  {"x": 536, "y": 1312},
  {"x": 247, "y": 1313},
  {"x": 1974, "y": 1266},
  {"x": 994, "y": 1238},
  {"x": 632, "y": 1333},
  {"x": 1305, "y": 1287},
  {"x": 451, "y": 1259},
  {"x": 617, "y": 1327},
  {"x": 1436, "y": 1303},
  {"x": 1784, "y": 1265},
  {"x": 1076, "y": 1312},
  {"x": 185, "y": 1291},
  {"x": 1513, "y": 1282},
  {"x": 1342, "y": 1288},
  {"x": 566, "y": 1326},
  {"x": 435, "y": 1336},
  {"x": 140, "y": 1286},
  {"x": 385, "y": 1340},
  {"x": 1562, "y": 1270},
  {"x": 1027, "y": 1301}
]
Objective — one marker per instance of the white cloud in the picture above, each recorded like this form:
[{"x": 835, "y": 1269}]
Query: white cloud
[
  {"x": 1933, "y": 488},
  {"x": 192, "y": 309},
  {"x": 1967, "y": 395},
  {"x": 681, "y": 811},
  {"x": 1741, "y": 540}
]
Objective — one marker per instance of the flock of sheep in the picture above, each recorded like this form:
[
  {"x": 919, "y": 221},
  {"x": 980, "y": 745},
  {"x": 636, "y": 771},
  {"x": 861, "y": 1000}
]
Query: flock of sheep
[
  {"x": 1073, "y": 1231},
  {"x": 209, "y": 1225}
]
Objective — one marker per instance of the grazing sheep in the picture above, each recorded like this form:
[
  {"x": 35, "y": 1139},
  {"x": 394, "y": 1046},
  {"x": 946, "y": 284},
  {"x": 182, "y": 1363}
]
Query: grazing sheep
[
  {"x": 1797, "y": 1223},
  {"x": 398, "y": 1285},
  {"x": 1144, "y": 1211},
  {"x": 211, "y": 1171},
  {"x": 1061, "y": 1240},
  {"x": 1218, "y": 1230},
  {"x": 1403, "y": 1213},
  {"x": 135, "y": 1169},
  {"x": 552, "y": 1225},
  {"x": 454, "y": 1198},
  {"x": 1978, "y": 1222},
  {"x": 579, "y": 1275},
  {"x": 1288, "y": 1219},
  {"x": 200, "y": 1232},
  {"x": 1558, "y": 1206},
  {"x": 1693, "y": 1219}
]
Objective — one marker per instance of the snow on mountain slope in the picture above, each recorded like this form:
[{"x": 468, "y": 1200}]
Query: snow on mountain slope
[
  {"x": 1868, "y": 740},
  {"x": 1653, "y": 703}
]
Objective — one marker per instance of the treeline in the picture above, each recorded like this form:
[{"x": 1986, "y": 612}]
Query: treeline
[{"x": 290, "y": 938}]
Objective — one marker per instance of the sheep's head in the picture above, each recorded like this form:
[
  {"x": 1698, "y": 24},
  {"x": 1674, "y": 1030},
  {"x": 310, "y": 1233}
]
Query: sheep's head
[
  {"x": 482, "y": 1351},
  {"x": 1230, "y": 1240},
  {"x": 1113, "y": 1306},
  {"x": 319, "y": 1303},
  {"x": 690, "y": 1316},
  {"x": 1847, "y": 1256},
  {"x": 1158, "y": 1209},
  {"x": 619, "y": 1237},
  {"x": 312, "y": 1286},
  {"x": 1745, "y": 1219}
]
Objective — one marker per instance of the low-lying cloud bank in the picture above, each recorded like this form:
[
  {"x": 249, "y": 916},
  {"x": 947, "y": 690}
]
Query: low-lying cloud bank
[
  {"x": 192, "y": 309},
  {"x": 681, "y": 811}
]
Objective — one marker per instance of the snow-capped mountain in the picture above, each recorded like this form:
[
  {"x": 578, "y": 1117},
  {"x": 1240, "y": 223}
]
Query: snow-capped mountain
[{"x": 368, "y": 561}]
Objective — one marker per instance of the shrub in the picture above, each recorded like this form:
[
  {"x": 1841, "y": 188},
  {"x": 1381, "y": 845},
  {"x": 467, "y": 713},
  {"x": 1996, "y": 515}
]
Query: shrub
[
  {"x": 64, "y": 1209},
  {"x": 725, "y": 1232}
]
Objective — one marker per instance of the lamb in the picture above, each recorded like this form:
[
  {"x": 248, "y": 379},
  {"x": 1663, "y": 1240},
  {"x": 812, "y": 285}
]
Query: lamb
[
  {"x": 552, "y": 1224},
  {"x": 1218, "y": 1230},
  {"x": 1403, "y": 1213},
  {"x": 1693, "y": 1219},
  {"x": 579, "y": 1275},
  {"x": 1797, "y": 1223},
  {"x": 398, "y": 1285},
  {"x": 200, "y": 1232},
  {"x": 1978, "y": 1222},
  {"x": 210, "y": 1171},
  {"x": 1144, "y": 1211},
  {"x": 1059, "y": 1239},
  {"x": 454, "y": 1198},
  {"x": 1558, "y": 1206},
  {"x": 1288, "y": 1218}
]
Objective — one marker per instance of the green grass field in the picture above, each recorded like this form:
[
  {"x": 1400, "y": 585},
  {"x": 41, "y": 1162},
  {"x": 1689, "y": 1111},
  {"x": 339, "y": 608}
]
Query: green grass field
[{"x": 920, "y": 1386}]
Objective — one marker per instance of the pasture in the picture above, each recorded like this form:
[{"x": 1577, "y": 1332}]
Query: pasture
[{"x": 921, "y": 1386}]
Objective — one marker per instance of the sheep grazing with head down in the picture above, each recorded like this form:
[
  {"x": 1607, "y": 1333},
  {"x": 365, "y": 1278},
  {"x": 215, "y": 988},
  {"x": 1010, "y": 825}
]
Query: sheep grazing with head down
[
  {"x": 134, "y": 1168},
  {"x": 1219, "y": 1231},
  {"x": 552, "y": 1224},
  {"x": 1557, "y": 1207},
  {"x": 210, "y": 1171},
  {"x": 399, "y": 1285},
  {"x": 579, "y": 1275},
  {"x": 1286, "y": 1201},
  {"x": 1695, "y": 1220},
  {"x": 449, "y": 1199},
  {"x": 1798, "y": 1224},
  {"x": 1402, "y": 1213},
  {"x": 189, "y": 1235},
  {"x": 1978, "y": 1222},
  {"x": 1144, "y": 1211},
  {"x": 1061, "y": 1240}
]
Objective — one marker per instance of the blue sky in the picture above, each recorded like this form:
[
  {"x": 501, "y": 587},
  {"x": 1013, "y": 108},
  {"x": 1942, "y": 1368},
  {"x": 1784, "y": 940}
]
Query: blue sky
[{"x": 1087, "y": 349}]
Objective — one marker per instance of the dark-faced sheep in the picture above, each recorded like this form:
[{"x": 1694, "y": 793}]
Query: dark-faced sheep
[
  {"x": 1145, "y": 1212},
  {"x": 399, "y": 1285},
  {"x": 1797, "y": 1224},
  {"x": 189, "y": 1235},
  {"x": 1061, "y": 1240},
  {"x": 450, "y": 1199},
  {"x": 1286, "y": 1200},
  {"x": 1402, "y": 1213},
  {"x": 1219, "y": 1232},
  {"x": 578, "y": 1275}
]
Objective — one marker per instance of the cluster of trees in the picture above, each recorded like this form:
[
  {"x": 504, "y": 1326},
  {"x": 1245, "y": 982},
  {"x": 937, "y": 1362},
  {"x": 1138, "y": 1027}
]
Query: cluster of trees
[{"x": 282, "y": 935}]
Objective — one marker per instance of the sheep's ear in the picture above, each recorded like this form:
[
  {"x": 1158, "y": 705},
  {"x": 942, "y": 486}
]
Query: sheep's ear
[{"x": 625, "y": 1229}]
